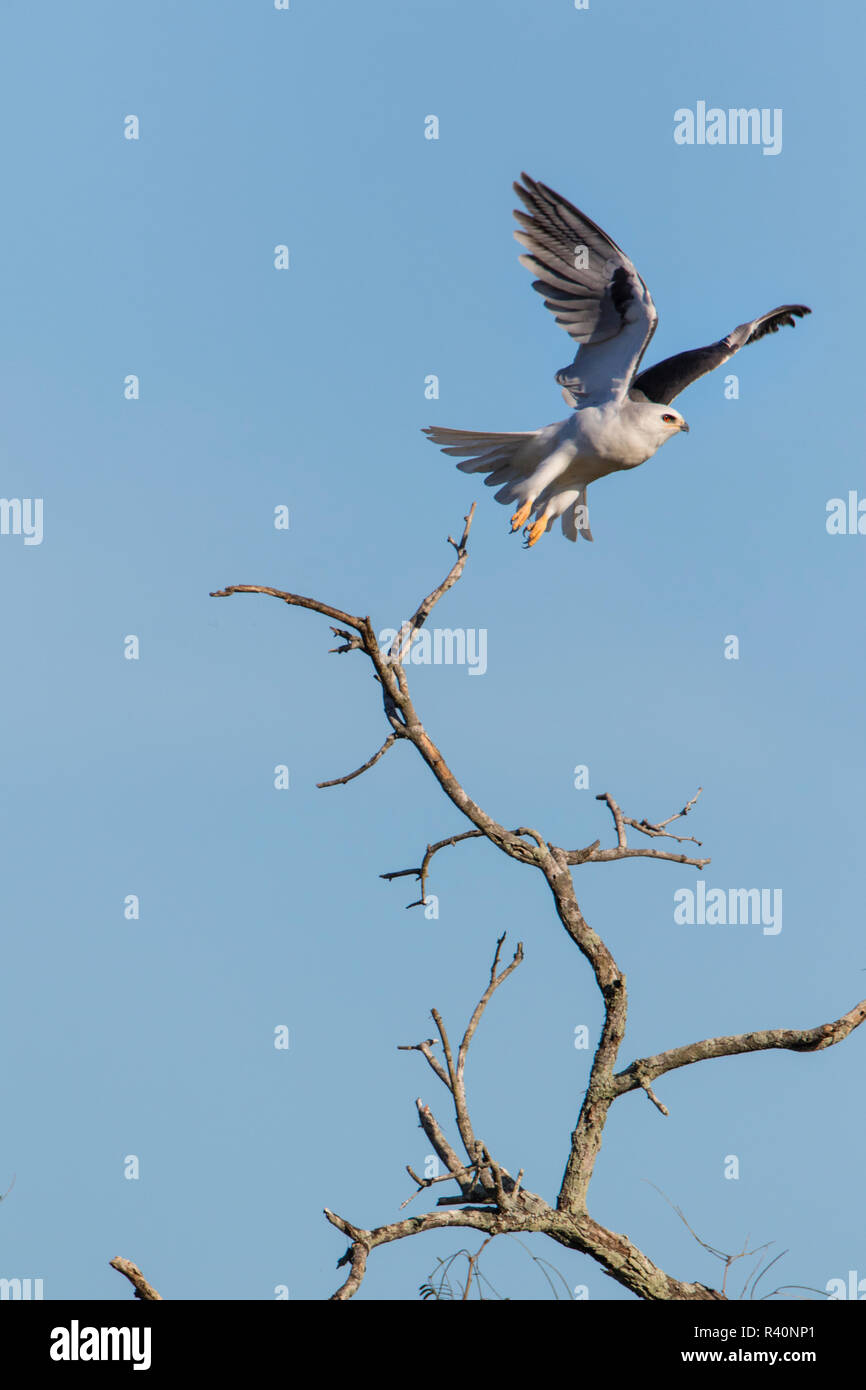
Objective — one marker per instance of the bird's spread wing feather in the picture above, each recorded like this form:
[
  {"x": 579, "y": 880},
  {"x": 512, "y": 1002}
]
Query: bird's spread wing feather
[
  {"x": 591, "y": 287},
  {"x": 667, "y": 379}
]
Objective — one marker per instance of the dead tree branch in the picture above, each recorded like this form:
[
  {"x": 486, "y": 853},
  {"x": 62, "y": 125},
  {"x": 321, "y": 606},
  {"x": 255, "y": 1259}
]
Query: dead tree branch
[
  {"x": 409, "y": 630},
  {"x": 422, "y": 871},
  {"x": 646, "y": 1069},
  {"x": 142, "y": 1288},
  {"x": 350, "y": 776},
  {"x": 490, "y": 1200},
  {"x": 594, "y": 855}
]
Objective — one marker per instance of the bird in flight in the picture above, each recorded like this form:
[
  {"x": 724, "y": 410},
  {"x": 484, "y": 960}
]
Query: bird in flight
[{"x": 620, "y": 417}]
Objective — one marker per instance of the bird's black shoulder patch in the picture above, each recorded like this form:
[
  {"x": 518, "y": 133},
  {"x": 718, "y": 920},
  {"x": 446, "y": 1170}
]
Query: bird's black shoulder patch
[{"x": 621, "y": 290}]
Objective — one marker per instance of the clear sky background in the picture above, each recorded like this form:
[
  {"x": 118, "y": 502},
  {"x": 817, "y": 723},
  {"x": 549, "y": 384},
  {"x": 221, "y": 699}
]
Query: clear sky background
[{"x": 305, "y": 387}]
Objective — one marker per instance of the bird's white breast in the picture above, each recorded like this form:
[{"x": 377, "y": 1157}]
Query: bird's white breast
[{"x": 614, "y": 434}]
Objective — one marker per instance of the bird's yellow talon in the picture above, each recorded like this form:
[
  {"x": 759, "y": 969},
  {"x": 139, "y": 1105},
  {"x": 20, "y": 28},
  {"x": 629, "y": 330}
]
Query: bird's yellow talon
[
  {"x": 536, "y": 532},
  {"x": 521, "y": 516}
]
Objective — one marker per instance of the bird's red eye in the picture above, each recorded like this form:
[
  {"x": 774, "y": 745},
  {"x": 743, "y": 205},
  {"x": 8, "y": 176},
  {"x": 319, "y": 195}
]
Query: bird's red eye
[{"x": 669, "y": 419}]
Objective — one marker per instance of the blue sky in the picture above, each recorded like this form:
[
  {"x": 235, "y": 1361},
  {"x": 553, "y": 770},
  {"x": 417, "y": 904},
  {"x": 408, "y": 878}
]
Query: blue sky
[{"x": 305, "y": 388}]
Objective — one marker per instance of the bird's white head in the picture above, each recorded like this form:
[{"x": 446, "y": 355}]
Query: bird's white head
[{"x": 656, "y": 422}]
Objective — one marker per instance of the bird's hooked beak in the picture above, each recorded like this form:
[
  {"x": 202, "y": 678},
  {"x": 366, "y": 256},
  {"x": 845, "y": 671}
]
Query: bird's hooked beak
[{"x": 684, "y": 427}]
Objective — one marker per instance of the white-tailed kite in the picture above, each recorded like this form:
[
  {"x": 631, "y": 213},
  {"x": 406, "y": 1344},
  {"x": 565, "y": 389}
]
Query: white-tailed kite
[{"x": 620, "y": 418}]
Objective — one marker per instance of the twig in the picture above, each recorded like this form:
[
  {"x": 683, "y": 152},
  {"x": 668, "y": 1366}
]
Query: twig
[
  {"x": 495, "y": 982},
  {"x": 658, "y": 828},
  {"x": 654, "y": 1098},
  {"x": 434, "y": 1132},
  {"x": 617, "y": 817},
  {"x": 143, "y": 1289},
  {"x": 423, "y": 869},
  {"x": 592, "y": 854},
  {"x": 350, "y": 776},
  {"x": 473, "y": 1259},
  {"x": 295, "y": 601},
  {"x": 410, "y": 629},
  {"x": 424, "y": 1183}
]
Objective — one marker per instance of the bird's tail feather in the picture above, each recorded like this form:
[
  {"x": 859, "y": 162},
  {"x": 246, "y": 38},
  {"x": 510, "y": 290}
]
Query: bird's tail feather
[
  {"x": 575, "y": 516},
  {"x": 508, "y": 460},
  {"x": 482, "y": 452}
]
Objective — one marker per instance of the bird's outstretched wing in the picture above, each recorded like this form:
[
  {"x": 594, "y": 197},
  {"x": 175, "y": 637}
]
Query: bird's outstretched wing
[
  {"x": 667, "y": 379},
  {"x": 591, "y": 287}
]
